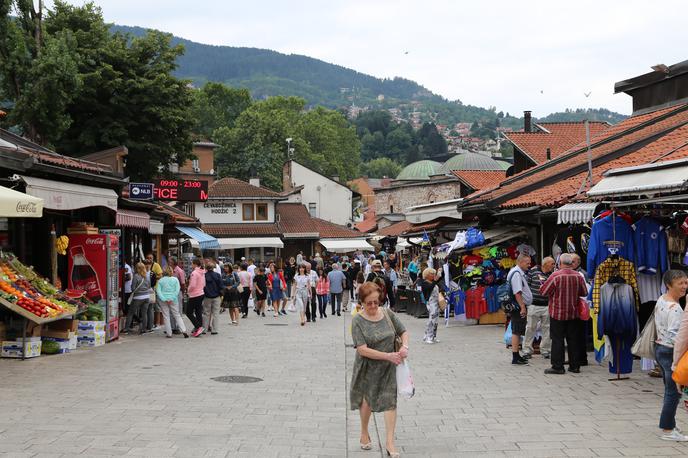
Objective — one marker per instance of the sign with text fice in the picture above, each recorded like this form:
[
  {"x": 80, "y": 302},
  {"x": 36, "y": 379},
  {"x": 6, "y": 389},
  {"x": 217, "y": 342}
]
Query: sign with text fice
[{"x": 181, "y": 190}]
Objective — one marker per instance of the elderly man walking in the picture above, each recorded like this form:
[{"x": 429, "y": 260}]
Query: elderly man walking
[
  {"x": 539, "y": 311},
  {"x": 564, "y": 288},
  {"x": 524, "y": 298},
  {"x": 337, "y": 285}
]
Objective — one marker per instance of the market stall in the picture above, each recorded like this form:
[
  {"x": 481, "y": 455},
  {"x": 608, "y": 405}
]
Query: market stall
[{"x": 473, "y": 265}]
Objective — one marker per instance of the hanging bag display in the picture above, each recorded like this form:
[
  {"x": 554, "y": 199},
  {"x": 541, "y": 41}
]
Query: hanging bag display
[{"x": 644, "y": 346}]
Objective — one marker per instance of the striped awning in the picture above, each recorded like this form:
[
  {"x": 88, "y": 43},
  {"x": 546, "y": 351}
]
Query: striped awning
[
  {"x": 576, "y": 213},
  {"x": 132, "y": 218}
]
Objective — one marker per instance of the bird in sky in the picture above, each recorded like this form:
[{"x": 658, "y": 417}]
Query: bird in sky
[
  {"x": 405, "y": 52},
  {"x": 587, "y": 94}
]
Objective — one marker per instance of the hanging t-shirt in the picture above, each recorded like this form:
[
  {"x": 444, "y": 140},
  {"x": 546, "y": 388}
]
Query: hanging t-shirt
[
  {"x": 526, "y": 249},
  {"x": 649, "y": 287},
  {"x": 610, "y": 232},
  {"x": 472, "y": 260},
  {"x": 651, "y": 246}
]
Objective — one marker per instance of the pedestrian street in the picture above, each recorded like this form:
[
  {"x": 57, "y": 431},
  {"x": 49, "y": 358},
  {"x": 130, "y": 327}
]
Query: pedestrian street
[{"x": 151, "y": 396}]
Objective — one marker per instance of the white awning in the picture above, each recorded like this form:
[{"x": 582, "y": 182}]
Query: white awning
[
  {"x": 577, "y": 213},
  {"x": 19, "y": 205},
  {"x": 58, "y": 195},
  {"x": 250, "y": 242},
  {"x": 156, "y": 227},
  {"x": 346, "y": 245},
  {"x": 404, "y": 244},
  {"x": 650, "y": 179}
]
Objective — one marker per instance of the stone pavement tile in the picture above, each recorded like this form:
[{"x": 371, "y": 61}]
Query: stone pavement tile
[
  {"x": 111, "y": 451},
  {"x": 579, "y": 452},
  {"x": 678, "y": 450}
]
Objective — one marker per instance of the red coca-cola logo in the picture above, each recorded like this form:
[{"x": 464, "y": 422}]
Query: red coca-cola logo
[
  {"x": 27, "y": 207},
  {"x": 98, "y": 241}
]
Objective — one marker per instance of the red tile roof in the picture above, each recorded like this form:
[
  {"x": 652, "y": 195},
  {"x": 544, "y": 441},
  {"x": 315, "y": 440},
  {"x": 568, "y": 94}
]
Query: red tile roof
[
  {"x": 619, "y": 144},
  {"x": 367, "y": 225},
  {"x": 242, "y": 230},
  {"x": 233, "y": 187},
  {"x": 395, "y": 229},
  {"x": 480, "y": 179},
  {"x": 559, "y": 137},
  {"x": 294, "y": 219},
  {"x": 329, "y": 230}
]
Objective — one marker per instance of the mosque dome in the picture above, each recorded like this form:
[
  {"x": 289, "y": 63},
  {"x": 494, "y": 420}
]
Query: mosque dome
[
  {"x": 420, "y": 170},
  {"x": 471, "y": 161}
]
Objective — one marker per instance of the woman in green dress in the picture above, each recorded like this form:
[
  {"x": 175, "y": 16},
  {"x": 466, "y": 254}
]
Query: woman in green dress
[{"x": 374, "y": 383}]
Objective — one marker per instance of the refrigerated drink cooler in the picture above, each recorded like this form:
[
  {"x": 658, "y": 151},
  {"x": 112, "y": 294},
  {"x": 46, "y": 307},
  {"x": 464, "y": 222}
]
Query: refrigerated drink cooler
[{"x": 94, "y": 269}]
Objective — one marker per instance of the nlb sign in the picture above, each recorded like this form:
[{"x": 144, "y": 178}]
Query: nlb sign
[{"x": 141, "y": 191}]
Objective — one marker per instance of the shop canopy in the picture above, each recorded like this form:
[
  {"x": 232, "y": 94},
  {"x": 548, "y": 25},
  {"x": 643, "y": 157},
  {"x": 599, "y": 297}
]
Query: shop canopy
[
  {"x": 576, "y": 213},
  {"x": 58, "y": 195},
  {"x": 404, "y": 244},
  {"x": 662, "y": 177},
  {"x": 493, "y": 237},
  {"x": 132, "y": 218},
  {"x": 205, "y": 241},
  {"x": 346, "y": 245},
  {"x": 250, "y": 242},
  {"x": 19, "y": 205}
]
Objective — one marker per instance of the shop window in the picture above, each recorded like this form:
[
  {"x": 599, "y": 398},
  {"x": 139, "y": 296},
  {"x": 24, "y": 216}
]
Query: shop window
[
  {"x": 261, "y": 212},
  {"x": 312, "y": 210},
  {"x": 254, "y": 253},
  {"x": 247, "y": 212}
]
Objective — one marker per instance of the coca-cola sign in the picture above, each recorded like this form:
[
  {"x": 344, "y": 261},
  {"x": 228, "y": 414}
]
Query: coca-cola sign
[
  {"x": 95, "y": 241},
  {"x": 27, "y": 207}
]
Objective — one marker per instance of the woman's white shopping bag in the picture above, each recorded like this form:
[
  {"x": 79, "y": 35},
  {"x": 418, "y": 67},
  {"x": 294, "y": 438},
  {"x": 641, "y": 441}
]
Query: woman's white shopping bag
[{"x": 405, "y": 385}]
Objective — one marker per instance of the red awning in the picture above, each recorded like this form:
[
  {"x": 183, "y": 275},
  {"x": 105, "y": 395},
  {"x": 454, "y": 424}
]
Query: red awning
[{"x": 132, "y": 218}]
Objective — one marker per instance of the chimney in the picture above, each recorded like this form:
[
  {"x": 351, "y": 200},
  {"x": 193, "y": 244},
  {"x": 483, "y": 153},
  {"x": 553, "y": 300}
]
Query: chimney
[
  {"x": 254, "y": 182},
  {"x": 527, "y": 127},
  {"x": 549, "y": 154}
]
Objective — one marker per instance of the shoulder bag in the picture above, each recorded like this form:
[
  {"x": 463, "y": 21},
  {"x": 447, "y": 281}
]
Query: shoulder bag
[
  {"x": 644, "y": 346},
  {"x": 131, "y": 295},
  {"x": 397, "y": 339}
]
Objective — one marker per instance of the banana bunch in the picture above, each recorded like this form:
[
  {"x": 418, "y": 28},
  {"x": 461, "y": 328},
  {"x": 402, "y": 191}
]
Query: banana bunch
[{"x": 61, "y": 244}]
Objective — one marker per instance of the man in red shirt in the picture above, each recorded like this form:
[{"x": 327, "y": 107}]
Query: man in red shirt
[{"x": 564, "y": 288}]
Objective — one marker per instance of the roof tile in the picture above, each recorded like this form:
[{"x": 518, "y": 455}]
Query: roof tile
[
  {"x": 233, "y": 187},
  {"x": 241, "y": 229},
  {"x": 480, "y": 179}
]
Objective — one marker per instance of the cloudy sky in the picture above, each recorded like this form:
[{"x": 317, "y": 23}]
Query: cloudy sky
[{"x": 515, "y": 55}]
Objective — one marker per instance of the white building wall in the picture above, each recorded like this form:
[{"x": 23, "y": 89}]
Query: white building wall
[
  {"x": 333, "y": 201},
  {"x": 229, "y": 211}
]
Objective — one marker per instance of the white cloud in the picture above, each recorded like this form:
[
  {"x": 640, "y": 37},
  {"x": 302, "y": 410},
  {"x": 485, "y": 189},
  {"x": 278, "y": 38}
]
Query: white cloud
[{"x": 538, "y": 55}]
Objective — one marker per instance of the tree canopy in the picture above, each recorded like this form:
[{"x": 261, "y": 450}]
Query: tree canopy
[
  {"x": 78, "y": 88},
  {"x": 256, "y": 144}
]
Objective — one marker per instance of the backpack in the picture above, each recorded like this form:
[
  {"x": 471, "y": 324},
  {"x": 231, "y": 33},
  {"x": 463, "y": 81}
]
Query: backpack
[{"x": 505, "y": 295}]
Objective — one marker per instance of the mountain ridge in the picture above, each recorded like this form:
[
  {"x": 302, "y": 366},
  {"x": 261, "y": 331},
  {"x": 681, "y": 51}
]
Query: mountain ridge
[{"x": 268, "y": 73}]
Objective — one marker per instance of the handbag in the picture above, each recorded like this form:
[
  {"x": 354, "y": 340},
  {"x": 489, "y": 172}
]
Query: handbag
[
  {"x": 583, "y": 309},
  {"x": 397, "y": 340},
  {"x": 442, "y": 302},
  {"x": 680, "y": 374},
  {"x": 152, "y": 298},
  {"x": 645, "y": 345}
]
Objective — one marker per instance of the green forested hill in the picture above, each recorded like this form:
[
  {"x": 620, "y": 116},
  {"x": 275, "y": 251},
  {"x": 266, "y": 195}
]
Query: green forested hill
[{"x": 266, "y": 73}]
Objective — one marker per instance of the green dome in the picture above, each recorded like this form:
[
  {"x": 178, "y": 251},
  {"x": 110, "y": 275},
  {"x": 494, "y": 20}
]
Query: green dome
[
  {"x": 504, "y": 164},
  {"x": 471, "y": 161},
  {"x": 420, "y": 170}
]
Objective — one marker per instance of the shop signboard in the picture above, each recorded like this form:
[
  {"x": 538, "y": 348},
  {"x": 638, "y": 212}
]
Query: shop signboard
[
  {"x": 141, "y": 191},
  {"x": 180, "y": 190}
]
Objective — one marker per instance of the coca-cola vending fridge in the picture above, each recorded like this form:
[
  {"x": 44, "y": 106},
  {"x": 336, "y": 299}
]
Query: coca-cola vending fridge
[{"x": 93, "y": 268}]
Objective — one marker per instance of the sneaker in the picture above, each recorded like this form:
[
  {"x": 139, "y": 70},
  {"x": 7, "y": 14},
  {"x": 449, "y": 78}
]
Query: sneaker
[
  {"x": 157, "y": 328},
  {"x": 436, "y": 340},
  {"x": 574, "y": 370},
  {"x": 176, "y": 332},
  {"x": 526, "y": 356},
  {"x": 675, "y": 435},
  {"x": 213, "y": 333},
  {"x": 263, "y": 314},
  {"x": 234, "y": 322},
  {"x": 656, "y": 372},
  {"x": 519, "y": 362},
  {"x": 428, "y": 341},
  {"x": 545, "y": 355},
  {"x": 198, "y": 332}
]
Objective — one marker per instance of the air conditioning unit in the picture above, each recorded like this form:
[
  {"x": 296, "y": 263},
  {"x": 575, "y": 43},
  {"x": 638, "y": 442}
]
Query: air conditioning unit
[{"x": 196, "y": 169}]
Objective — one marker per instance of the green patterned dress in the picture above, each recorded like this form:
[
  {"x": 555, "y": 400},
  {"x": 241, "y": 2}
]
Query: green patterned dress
[{"x": 374, "y": 380}]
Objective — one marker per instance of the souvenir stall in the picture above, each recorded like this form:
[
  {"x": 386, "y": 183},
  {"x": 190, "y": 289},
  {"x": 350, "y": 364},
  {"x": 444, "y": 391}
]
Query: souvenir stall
[{"x": 473, "y": 265}]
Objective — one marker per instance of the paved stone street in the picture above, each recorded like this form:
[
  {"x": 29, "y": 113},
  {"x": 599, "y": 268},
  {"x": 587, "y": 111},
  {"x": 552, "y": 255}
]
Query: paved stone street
[{"x": 151, "y": 396}]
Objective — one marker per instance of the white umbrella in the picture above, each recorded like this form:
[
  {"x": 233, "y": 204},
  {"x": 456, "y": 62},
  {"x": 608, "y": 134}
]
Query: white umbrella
[{"x": 19, "y": 205}]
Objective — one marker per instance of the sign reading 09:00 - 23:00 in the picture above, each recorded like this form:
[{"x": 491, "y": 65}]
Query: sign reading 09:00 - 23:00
[{"x": 181, "y": 190}]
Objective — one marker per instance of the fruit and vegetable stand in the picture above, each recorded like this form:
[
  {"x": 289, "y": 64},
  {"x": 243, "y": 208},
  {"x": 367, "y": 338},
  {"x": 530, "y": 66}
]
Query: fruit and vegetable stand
[{"x": 33, "y": 298}]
